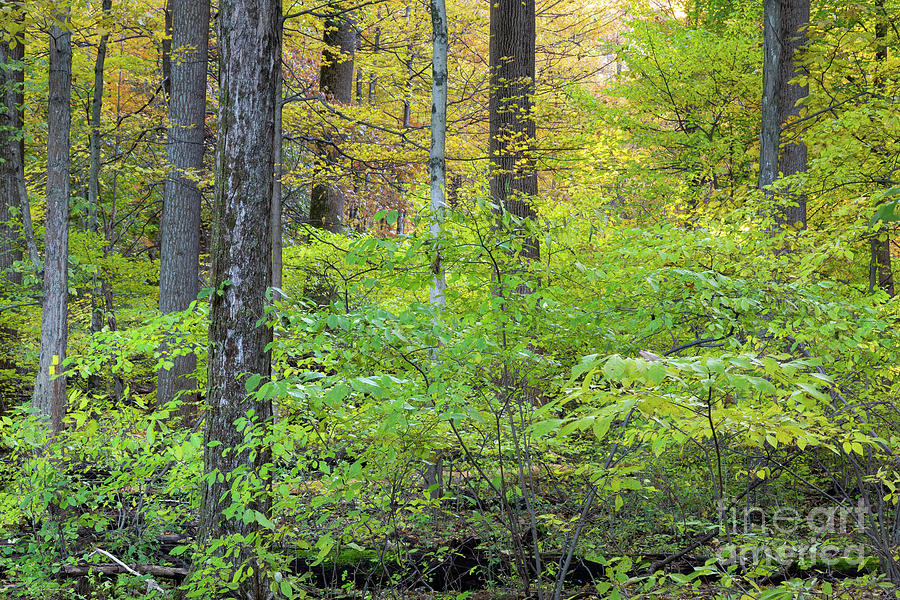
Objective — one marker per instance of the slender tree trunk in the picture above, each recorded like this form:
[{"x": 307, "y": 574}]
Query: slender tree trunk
[
  {"x": 18, "y": 151},
  {"x": 10, "y": 238},
  {"x": 770, "y": 126},
  {"x": 250, "y": 49},
  {"x": 326, "y": 202},
  {"x": 179, "y": 269},
  {"x": 277, "y": 240},
  {"x": 881, "y": 273},
  {"x": 167, "y": 51},
  {"x": 12, "y": 54},
  {"x": 373, "y": 82},
  {"x": 12, "y": 51},
  {"x": 98, "y": 299},
  {"x": 50, "y": 387},
  {"x": 512, "y": 129},
  {"x": 437, "y": 169}
]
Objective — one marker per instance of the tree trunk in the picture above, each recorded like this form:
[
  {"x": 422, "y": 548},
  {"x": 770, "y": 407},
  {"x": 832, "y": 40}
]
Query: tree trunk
[
  {"x": 277, "y": 249},
  {"x": 794, "y": 20},
  {"x": 437, "y": 169},
  {"x": 18, "y": 150},
  {"x": 179, "y": 268},
  {"x": 167, "y": 51},
  {"x": 94, "y": 205},
  {"x": 784, "y": 37},
  {"x": 50, "y": 387},
  {"x": 770, "y": 126},
  {"x": 12, "y": 53},
  {"x": 512, "y": 129},
  {"x": 250, "y": 49},
  {"x": 881, "y": 273},
  {"x": 10, "y": 239},
  {"x": 326, "y": 202}
]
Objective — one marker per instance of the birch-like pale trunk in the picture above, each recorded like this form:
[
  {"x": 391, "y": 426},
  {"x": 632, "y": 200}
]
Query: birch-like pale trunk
[
  {"x": 437, "y": 166},
  {"x": 49, "y": 398}
]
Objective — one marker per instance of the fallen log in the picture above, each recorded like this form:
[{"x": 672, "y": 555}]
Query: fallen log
[{"x": 114, "y": 569}]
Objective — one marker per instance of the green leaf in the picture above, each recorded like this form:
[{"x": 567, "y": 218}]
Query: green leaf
[
  {"x": 656, "y": 372},
  {"x": 763, "y": 385},
  {"x": 542, "y": 428},
  {"x": 775, "y": 594},
  {"x": 813, "y": 391},
  {"x": 601, "y": 426},
  {"x": 614, "y": 367},
  {"x": 252, "y": 382},
  {"x": 887, "y": 212},
  {"x": 263, "y": 520}
]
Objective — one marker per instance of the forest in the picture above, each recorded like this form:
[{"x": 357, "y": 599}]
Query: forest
[{"x": 392, "y": 299}]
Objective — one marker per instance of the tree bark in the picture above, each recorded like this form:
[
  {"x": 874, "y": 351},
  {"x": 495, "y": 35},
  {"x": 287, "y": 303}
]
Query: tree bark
[
  {"x": 18, "y": 150},
  {"x": 881, "y": 273},
  {"x": 250, "y": 49},
  {"x": 167, "y": 51},
  {"x": 10, "y": 239},
  {"x": 50, "y": 387},
  {"x": 794, "y": 20},
  {"x": 326, "y": 202},
  {"x": 784, "y": 38},
  {"x": 98, "y": 299},
  {"x": 277, "y": 247},
  {"x": 512, "y": 129},
  {"x": 770, "y": 126},
  {"x": 437, "y": 168},
  {"x": 12, "y": 53},
  {"x": 179, "y": 269}
]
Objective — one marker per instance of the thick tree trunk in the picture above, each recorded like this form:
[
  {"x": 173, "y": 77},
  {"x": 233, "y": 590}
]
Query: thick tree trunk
[
  {"x": 794, "y": 20},
  {"x": 336, "y": 72},
  {"x": 437, "y": 169},
  {"x": 784, "y": 38},
  {"x": 179, "y": 269},
  {"x": 512, "y": 129},
  {"x": 250, "y": 49},
  {"x": 326, "y": 202},
  {"x": 50, "y": 387}
]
